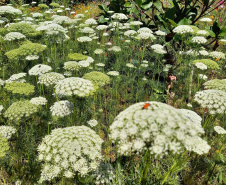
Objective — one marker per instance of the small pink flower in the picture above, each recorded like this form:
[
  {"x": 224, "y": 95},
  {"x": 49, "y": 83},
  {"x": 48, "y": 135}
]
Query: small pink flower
[
  {"x": 220, "y": 19},
  {"x": 173, "y": 78}
]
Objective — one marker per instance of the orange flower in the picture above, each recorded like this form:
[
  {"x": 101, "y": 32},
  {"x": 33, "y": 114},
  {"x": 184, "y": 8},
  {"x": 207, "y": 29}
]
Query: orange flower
[{"x": 217, "y": 59}]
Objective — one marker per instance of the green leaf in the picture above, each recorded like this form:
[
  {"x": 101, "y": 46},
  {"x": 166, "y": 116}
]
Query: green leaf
[
  {"x": 212, "y": 34},
  {"x": 158, "y": 5},
  {"x": 172, "y": 22},
  {"x": 103, "y": 7},
  {"x": 184, "y": 21},
  {"x": 138, "y": 2},
  {"x": 146, "y": 6},
  {"x": 127, "y": 4},
  {"x": 222, "y": 32}
]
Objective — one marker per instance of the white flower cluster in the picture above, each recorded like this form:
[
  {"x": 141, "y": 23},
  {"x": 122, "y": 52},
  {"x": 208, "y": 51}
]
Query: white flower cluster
[
  {"x": 83, "y": 63},
  {"x": 206, "y": 19},
  {"x": 119, "y": 16},
  {"x": 37, "y": 15},
  {"x": 92, "y": 123},
  {"x": 7, "y": 131},
  {"x": 199, "y": 40},
  {"x": 202, "y": 32},
  {"x": 144, "y": 30},
  {"x": 84, "y": 39},
  {"x": 135, "y": 23},
  {"x": 217, "y": 54},
  {"x": 74, "y": 86},
  {"x": 156, "y": 127},
  {"x": 213, "y": 100},
  {"x": 98, "y": 51},
  {"x": 216, "y": 84},
  {"x": 32, "y": 57},
  {"x": 160, "y": 33},
  {"x": 16, "y": 77},
  {"x": 62, "y": 20},
  {"x": 91, "y": 21},
  {"x": 39, "y": 69},
  {"x": 77, "y": 16},
  {"x": 87, "y": 30},
  {"x": 4, "y": 10},
  {"x": 130, "y": 33},
  {"x": 69, "y": 151},
  {"x": 14, "y": 36},
  {"x": 201, "y": 66},
  {"x": 182, "y": 29},
  {"x": 71, "y": 66},
  {"x": 203, "y": 53},
  {"x": 220, "y": 130},
  {"x": 115, "y": 49},
  {"x": 62, "y": 108},
  {"x": 145, "y": 36},
  {"x": 52, "y": 29},
  {"x": 51, "y": 78},
  {"x": 158, "y": 49},
  {"x": 101, "y": 27},
  {"x": 113, "y": 73},
  {"x": 38, "y": 101}
]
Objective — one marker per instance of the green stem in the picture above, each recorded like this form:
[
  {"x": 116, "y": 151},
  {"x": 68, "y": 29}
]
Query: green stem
[{"x": 143, "y": 178}]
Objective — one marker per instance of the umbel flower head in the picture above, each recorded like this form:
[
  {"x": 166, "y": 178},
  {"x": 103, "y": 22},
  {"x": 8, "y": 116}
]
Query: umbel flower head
[
  {"x": 51, "y": 78},
  {"x": 39, "y": 69},
  {"x": 14, "y": 36},
  {"x": 209, "y": 63},
  {"x": 75, "y": 86},
  {"x": 216, "y": 84},
  {"x": 38, "y": 101},
  {"x": 217, "y": 54},
  {"x": 62, "y": 108},
  {"x": 20, "y": 88},
  {"x": 23, "y": 28},
  {"x": 156, "y": 127},
  {"x": 71, "y": 66},
  {"x": 183, "y": 29},
  {"x": 97, "y": 78},
  {"x": 213, "y": 100},
  {"x": 20, "y": 109},
  {"x": 4, "y": 146},
  {"x": 69, "y": 151},
  {"x": 7, "y": 131},
  {"x": 76, "y": 56}
]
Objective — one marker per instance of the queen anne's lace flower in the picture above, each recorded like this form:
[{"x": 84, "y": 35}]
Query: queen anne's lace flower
[
  {"x": 136, "y": 23},
  {"x": 37, "y": 15},
  {"x": 91, "y": 21},
  {"x": 102, "y": 27},
  {"x": 32, "y": 57},
  {"x": 69, "y": 151},
  {"x": 217, "y": 54},
  {"x": 160, "y": 33},
  {"x": 205, "y": 19},
  {"x": 51, "y": 78},
  {"x": 156, "y": 127},
  {"x": 39, "y": 69},
  {"x": 87, "y": 30},
  {"x": 14, "y": 36},
  {"x": 98, "y": 51},
  {"x": 119, "y": 16},
  {"x": 201, "y": 66},
  {"x": 202, "y": 32},
  {"x": 220, "y": 130},
  {"x": 7, "y": 131},
  {"x": 77, "y": 16},
  {"x": 62, "y": 20},
  {"x": 130, "y": 33},
  {"x": 115, "y": 49},
  {"x": 145, "y": 36},
  {"x": 92, "y": 123},
  {"x": 213, "y": 100},
  {"x": 97, "y": 78},
  {"x": 20, "y": 88},
  {"x": 113, "y": 73},
  {"x": 38, "y": 101},
  {"x": 62, "y": 108},
  {"x": 203, "y": 53},
  {"x": 75, "y": 86},
  {"x": 71, "y": 66},
  {"x": 182, "y": 29},
  {"x": 216, "y": 84},
  {"x": 9, "y": 10},
  {"x": 144, "y": 30},
  {"x": 16, "y": 77},
  {"x": 199, "y": 40},
  {"x": 209, "y": 63},
  {"x": 52, "y": 29},
  {"x": 20, "y": 109},
  {"x": 84, "y": 39}
]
